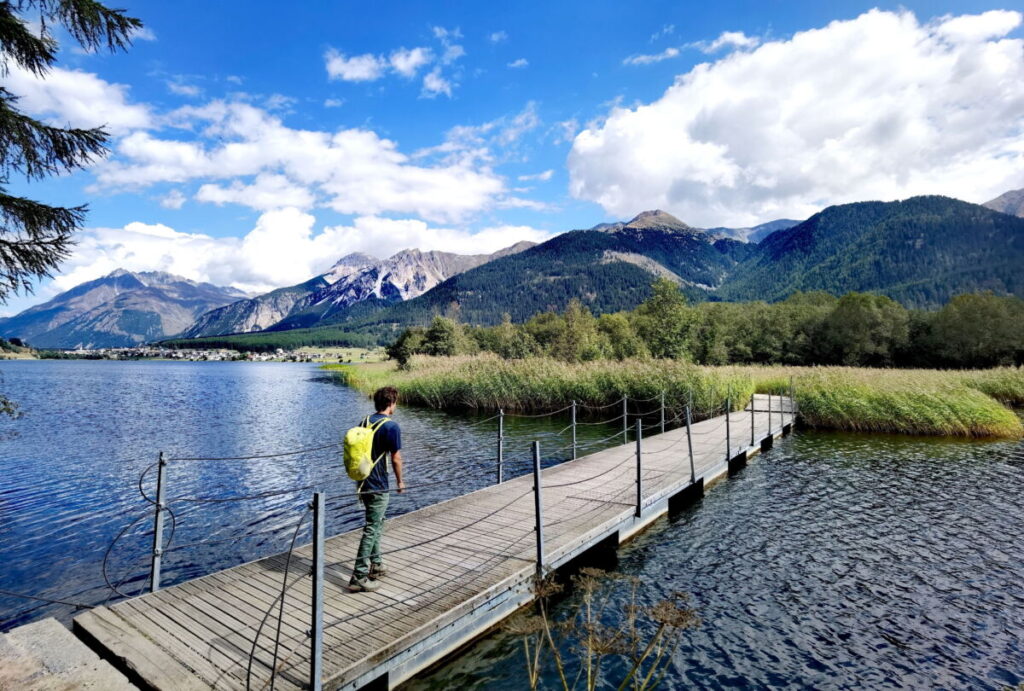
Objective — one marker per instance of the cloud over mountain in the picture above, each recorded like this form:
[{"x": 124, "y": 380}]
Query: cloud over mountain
[
  {"x": 283, "y": 248},
  {"x": 877, "y": 107}
]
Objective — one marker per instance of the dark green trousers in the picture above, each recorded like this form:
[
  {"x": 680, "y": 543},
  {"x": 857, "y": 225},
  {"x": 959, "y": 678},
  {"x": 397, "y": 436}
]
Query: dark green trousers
[{"x": 376, "y": 506}]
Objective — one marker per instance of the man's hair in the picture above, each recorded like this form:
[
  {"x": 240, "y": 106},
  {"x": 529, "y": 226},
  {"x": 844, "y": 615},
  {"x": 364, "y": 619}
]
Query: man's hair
[{"x": 385, "y": 396}]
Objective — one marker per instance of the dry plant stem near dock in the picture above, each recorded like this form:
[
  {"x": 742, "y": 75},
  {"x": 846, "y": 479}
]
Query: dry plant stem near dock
[
  {"x": 647, "y": 655},
  {"x": 962, "y": 403}
]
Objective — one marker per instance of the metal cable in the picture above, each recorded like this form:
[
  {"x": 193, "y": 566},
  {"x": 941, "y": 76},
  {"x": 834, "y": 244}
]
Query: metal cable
[
  {"x": 257, "y": 456},
  {"x": 617, "y": 466},
  {"x": 76, "y": 605},
  {"x": 602, "y": 422},
  {"x": 617, "y": 401},
  {"x": 554, "y": 412}
]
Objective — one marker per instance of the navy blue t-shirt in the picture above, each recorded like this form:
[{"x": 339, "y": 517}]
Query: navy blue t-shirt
[{"x": 386, "y": 440}]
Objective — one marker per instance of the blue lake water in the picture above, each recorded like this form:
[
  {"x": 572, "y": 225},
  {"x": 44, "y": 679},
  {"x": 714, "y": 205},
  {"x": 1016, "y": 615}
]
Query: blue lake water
[
  {"x": 70, "y": 467},
  {"x": 834, "y": 561}
]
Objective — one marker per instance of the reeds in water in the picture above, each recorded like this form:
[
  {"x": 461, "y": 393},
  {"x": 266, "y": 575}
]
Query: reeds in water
[{"x": 930, "y": 402}]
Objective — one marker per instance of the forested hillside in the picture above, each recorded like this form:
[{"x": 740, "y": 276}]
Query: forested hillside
[{"x": 921, "y": 252}]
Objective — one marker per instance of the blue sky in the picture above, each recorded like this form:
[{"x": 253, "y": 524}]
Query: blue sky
[{"x": 254, "y": 144}]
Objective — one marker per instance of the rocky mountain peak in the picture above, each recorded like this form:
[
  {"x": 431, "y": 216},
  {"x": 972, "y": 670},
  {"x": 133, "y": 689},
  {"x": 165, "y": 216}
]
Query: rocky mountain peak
[
  {"x": 1011, "y": 202},
  {"x": 656, "y": 218}
]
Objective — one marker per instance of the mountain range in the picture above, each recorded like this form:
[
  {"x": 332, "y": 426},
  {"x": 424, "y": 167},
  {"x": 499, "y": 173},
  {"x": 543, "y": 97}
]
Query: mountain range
[
  {"x": 920, "y": 251},
  {"x": 120, "y": 309},
  {"x": 354, "y": 278}
]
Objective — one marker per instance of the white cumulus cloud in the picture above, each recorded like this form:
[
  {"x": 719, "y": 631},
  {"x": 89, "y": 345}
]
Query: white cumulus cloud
[
  {"x": 268, "y": 191},
  {"x": 77, "y": 98},
  {"x": 878, "y": 107},
  {"x": 518, "y": 64},
  {"x": 666, "y": 54},
  {"x": 354, "y": 171},
  {"x": 727, "y": 39},
  {"x": 358, "y": 68},
  {"x": 434, "y": 84},
  {"x": 408, "y": 62}
]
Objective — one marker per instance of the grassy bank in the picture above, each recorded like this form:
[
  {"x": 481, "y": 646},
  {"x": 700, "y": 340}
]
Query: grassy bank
[{"x": 930, "y": 402}]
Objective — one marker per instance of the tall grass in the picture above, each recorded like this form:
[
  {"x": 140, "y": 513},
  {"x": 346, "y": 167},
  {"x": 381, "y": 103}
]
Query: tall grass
[
  {"x": 932, "y": 402},
  {"x": 928, "y": 402},
  {"x": 486, "y": 382}
]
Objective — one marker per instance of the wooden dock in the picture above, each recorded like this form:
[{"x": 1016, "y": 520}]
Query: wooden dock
[{"x": 455, "y": 569}]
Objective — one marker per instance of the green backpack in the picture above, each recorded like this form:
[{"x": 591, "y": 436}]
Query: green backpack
[{"x": 359, "y": 461}]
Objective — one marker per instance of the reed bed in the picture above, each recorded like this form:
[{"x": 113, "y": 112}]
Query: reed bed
[{"x": 924, "y": 402}]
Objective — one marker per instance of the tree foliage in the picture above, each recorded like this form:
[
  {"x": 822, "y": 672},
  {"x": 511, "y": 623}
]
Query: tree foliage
[
  {"x": 862, "y": 329},
  {"x": 35, "y": 237}
]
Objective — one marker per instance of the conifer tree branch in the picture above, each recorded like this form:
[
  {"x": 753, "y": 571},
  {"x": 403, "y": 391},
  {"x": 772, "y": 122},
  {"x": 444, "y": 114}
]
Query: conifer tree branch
[
  {"x": 37, "y": 150},
  {"x": 33, "y": 53},
  {"x": 90, "y": 23},
  {"x": 34, "y": 239}
]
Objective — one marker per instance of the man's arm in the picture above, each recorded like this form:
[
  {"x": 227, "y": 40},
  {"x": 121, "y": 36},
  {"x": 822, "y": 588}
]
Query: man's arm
[{"x": 396, "y": 463}]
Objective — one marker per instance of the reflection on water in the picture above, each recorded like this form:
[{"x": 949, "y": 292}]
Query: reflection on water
[
  {"x": 69, "y": 469},
  {"x": 833, "y": 562}
]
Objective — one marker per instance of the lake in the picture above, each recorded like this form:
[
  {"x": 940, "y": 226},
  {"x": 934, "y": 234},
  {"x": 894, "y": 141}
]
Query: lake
[{"x": 833, "y": 561}]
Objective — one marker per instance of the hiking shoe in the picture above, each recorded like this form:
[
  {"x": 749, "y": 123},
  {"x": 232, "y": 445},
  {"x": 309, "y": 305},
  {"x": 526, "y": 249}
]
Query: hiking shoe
[
  {"x": 377, "y": 571},
  {"x": 362, "y": 585}
]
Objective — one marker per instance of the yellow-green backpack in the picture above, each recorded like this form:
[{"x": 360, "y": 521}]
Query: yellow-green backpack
[{"x": 359, "y": 460}]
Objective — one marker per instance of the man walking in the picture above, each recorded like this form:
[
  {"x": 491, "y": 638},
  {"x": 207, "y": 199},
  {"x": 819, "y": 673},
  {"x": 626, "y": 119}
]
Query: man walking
[{"x": 373, "y": 491}]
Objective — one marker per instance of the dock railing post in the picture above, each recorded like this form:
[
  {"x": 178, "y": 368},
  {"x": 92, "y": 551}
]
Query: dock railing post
[
  {"x": 539, "y": 528},
  {"x": 728, "y": 435},
  {"x": 792, "y": 404},
  {"x": 501, "y": 444},
  {"x": 574, "y": 430},
  {"x": 663, "y": 412},
  {"x": 639, "y": 471},
  {"x": 316, "y": 632},
  {"x": 751, "y": 419},
  {"x": 689, "y": 445},
  {"x": 158, "y": 525},
  {"x": 769, "y": 414},
  {"x": 625, "y": 420}
]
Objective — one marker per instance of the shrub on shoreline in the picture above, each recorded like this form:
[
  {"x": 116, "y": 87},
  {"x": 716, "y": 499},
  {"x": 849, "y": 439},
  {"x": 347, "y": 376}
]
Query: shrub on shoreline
[{"x": 927, "y": 402}]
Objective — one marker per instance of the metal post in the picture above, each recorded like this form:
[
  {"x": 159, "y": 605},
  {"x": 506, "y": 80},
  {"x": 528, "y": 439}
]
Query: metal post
[
  {"x": 663, "y": 412},
  {"x": 158, "y": 526},
  {"x": 690, "y": 403},
  {"x": 316, "y": 640},
  {"x": 625, "y": 421},
  {"x": 792, "y": 403},
  {"x": 689, "y": 444},
  {"x": 728, "y": 436},
  {"x": 539, "y": 528},
  {"x": 751, "y": 419},
  {"x": 574, "y": 430},
  {"x": 639, "y": 472},
  {"x": 769, "y": 414},
  {"x": 501, "y": 444}
]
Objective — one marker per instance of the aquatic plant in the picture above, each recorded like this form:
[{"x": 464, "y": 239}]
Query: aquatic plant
[
  {"x": 963, "y": 403},
  {"x": 642, "y": 639}
]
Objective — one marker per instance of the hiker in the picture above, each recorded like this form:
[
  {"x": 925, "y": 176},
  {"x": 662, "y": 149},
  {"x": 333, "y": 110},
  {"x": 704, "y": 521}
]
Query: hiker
[{"x": 373, "y": 491}]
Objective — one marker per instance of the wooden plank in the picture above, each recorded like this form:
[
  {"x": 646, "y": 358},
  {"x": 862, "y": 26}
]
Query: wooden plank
[{"x": 131, "y": 650}]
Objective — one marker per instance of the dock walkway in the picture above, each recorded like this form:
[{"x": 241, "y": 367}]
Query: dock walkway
[{"x": 455, "y": 569}]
